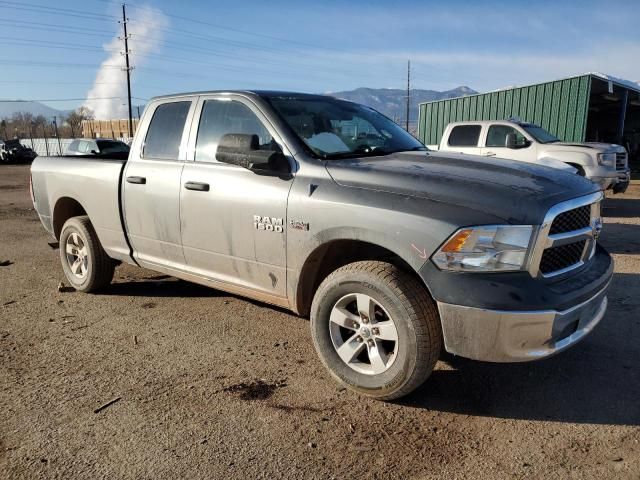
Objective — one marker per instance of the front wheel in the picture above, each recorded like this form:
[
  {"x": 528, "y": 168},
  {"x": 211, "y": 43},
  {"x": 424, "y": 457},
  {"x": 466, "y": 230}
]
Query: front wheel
[
  {"x": 376, "y": 329},
  {"x": 85, "y": 263}
]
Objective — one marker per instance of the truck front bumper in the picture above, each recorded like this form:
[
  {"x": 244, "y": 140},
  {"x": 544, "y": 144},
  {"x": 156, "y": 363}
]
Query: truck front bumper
[
  {"x": 517, "y": 336},
  {"x": 617, "y": 183}
]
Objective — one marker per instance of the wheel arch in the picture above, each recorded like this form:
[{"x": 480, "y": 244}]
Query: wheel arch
[
  {"x": 336, "y": 253},
  {"x": 64, "y": 209}
]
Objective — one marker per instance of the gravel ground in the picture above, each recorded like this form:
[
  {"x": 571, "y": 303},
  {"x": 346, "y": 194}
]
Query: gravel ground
[{"x": 208, "y": 385}]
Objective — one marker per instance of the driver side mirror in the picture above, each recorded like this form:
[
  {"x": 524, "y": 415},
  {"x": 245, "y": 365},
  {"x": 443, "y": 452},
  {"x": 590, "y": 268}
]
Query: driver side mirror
[
  {"x": 511, "y": 142},
  {"x": 244, "y": 150}
]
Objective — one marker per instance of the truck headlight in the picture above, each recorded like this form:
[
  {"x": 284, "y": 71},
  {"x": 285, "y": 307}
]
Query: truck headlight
[
  {"x": 488, "y": 248},
  {"x": 607, "y": 159}
]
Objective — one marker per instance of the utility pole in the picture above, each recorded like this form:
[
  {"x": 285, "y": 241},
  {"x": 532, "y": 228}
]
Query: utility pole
[
  {"x": 31, "y": 124},
  {"x": 55, "y": 127},
  {"x": 128, "y": 68},
  {"x": 44, "y": 133},
  {"x": 408, "y": 87}
]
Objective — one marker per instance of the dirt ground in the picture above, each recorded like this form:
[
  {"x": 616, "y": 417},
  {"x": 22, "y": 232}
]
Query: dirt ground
[{"x": 208, "y": 385}]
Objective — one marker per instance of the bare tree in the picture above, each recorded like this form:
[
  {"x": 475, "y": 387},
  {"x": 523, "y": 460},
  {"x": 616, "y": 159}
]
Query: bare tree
[
  {"x": 75, "y": 119},
  {"x": 21, "y": 123}
]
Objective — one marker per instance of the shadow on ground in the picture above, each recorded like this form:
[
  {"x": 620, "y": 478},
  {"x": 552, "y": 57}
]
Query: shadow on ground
[
  {"x": 597, "y": 381},
  {"x": 621, "y": 207},
  {"x": 621, "y": 238}
]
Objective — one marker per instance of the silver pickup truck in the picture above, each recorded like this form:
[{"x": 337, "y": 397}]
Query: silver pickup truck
[{"x": 328, "y": 208}]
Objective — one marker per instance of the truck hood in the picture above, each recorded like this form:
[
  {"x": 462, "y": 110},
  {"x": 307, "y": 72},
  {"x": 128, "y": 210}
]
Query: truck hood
[
  {"x": 517, "y": 192},
  {"x": 589, "y": 147}
]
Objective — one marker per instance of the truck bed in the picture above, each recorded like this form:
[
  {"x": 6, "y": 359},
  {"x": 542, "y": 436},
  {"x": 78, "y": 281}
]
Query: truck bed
[{"x": 86, "y": 182}]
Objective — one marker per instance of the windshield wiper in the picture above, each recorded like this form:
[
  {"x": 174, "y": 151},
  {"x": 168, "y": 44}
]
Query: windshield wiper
[{"x": 372, "y": 153}]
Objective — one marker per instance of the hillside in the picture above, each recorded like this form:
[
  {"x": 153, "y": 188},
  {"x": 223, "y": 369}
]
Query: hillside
[
  {"x": 392, "y": 101},
  {"x": 7, "y": 109}
]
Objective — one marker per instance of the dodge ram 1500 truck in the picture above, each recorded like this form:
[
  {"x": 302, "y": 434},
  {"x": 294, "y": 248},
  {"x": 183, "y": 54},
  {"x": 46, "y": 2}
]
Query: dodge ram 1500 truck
[
  {"x": 330, "y": 209},
  {"x": 603, "y": 163}
]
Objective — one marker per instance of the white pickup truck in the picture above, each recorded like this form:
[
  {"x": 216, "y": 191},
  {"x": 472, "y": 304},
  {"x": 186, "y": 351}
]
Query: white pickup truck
[{"x": 603, "y": 163}]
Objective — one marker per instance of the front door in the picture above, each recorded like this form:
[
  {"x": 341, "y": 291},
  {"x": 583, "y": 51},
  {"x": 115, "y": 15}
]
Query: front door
[
  {"x": 151, "y": 187},
  {"x": 495, "y": 144},
  {"x": 233, "y": 220}
]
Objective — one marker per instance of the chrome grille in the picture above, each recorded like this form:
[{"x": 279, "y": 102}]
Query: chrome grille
[
  {"x": 571, "y": 220},
  {"x": 566, "y": 240},
  {"x": 621, "y": 161},
  {"x": 564, "y": 256}
]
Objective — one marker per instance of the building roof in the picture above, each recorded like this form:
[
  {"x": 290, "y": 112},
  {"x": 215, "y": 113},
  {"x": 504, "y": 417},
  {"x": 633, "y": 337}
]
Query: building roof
[{"x": 601, "y": 76}]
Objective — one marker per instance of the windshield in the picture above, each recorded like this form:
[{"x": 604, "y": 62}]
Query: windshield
[
  {"x": 540, "y": 134},
  {"x": 109, "y": 146},
  {"x": 333, "y": 128}
]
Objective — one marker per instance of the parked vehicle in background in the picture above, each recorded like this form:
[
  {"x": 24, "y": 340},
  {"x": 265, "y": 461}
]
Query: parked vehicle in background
[
  {"x": 12, "y": 151},
  {"x": 603, "y": 163},
  {"x": 328, "y": 208},
  {"x": 100, "y": 147}
]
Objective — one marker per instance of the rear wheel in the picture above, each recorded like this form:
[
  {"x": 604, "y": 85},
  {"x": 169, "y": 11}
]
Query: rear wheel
[
  {"x": 85, "y": 263},
  {"x": 376, "y": 329}
]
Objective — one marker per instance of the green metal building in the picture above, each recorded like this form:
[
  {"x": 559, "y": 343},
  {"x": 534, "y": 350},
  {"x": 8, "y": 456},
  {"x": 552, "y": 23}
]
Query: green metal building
[{"x": 587, "y": 108}]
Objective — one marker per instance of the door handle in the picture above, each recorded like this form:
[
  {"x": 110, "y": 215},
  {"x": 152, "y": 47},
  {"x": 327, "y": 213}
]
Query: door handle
[
  {"x": 197, "y": 186},
  {"x": 137, "y": 180},
  {"x": 489, "y": 154}
]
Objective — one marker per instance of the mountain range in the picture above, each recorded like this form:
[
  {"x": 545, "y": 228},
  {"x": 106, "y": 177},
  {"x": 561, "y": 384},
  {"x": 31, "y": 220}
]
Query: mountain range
[
  {"x": 390, "y": 101},
  {"x": 7, "y": 109}
]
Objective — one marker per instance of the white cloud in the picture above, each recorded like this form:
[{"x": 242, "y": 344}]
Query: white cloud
[{"x": 145, "y": 30}]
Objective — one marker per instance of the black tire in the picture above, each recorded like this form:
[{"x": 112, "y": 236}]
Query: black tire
[
  {"x": 414, "y": 313},
  {"x": 98, "y": 269}
]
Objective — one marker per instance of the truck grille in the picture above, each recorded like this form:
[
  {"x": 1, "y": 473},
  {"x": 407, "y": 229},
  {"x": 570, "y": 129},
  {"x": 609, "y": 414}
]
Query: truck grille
[
  {"x": 621, "y": 161},
  {"x": 557, "y": 258},
  {"x": 566, "y": 239},
  {"x": 571, "y": 220}
]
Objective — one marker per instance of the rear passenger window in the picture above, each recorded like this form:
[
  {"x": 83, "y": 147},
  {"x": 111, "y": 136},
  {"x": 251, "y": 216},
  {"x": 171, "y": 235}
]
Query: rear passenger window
[
  {"x": 222, "y": 117},
  {"x": 165, "y": 131},
  {"x": 464, "y": 136}
]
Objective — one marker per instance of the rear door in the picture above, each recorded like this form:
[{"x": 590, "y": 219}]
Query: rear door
[
  {"x": 233, "y": 220},
  {"x": 465, "y": 139},
  {"x": 151, "y": 184}
]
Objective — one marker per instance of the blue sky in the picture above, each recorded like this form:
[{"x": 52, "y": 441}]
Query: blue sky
[{"x": 53, "y": 50}]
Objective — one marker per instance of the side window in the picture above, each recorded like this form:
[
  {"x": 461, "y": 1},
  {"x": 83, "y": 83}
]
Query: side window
[
  {"x": 73, "y": 146},
  {"x": 465, "y": 136},
  {"x": 222, "y": 117},
  {"x": 165, "y": 131},
  {"x": 497, "y": 136},
  {"x": 83, "y": 147}
]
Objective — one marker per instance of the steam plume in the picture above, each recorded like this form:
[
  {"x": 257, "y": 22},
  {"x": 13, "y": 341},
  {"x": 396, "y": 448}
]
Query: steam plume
[{"x": 145, "y": 31}]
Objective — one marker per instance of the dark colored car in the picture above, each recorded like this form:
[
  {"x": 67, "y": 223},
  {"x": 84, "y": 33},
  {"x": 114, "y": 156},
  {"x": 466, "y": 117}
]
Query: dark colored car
[{"x": 12, "y": 151}]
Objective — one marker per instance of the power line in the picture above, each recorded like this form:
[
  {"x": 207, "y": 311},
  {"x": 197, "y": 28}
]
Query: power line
[
  {"x": 67, "y": 12},
  {"x": 48, "y": 82},
  {"x": 172, "y": 45},
  {"x": 224, "y": 27},
  {"x": 25, "y": 25},
  {"x": 66, "y": 99}
]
